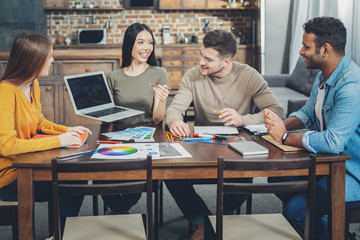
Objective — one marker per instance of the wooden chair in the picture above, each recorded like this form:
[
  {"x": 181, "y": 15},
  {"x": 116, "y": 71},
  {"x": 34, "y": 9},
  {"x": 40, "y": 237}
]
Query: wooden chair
[
  {"x": 127, "y": 226},
  {"x": 351, "y": 216},
  {"x": 158, "y": 215},
  {"x": 261, "y": 226},
  {"x": 9, "y": 216}
]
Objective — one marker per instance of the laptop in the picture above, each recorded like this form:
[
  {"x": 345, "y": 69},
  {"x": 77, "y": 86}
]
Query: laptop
[
  {"x": 248, "y": 148},
  {"x": 90, "y": 96}
]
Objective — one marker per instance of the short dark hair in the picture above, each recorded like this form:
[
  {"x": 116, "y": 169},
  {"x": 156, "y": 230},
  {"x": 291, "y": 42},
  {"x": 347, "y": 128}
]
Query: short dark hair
[
  {"x": 128, "y": 43},
  {"x": 28, "y": 55},
  {"x": 327, "y": 30},
  {"x": 222, "y": 41}
]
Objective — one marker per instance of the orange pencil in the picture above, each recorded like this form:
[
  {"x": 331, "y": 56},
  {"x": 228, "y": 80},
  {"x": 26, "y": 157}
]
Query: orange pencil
[
  {"x": 172, "y": 140},
  {"x": 218, "y": 112}
]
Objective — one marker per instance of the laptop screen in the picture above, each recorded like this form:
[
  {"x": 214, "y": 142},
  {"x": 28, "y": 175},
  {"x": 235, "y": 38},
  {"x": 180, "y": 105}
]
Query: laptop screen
[{"x": 89, "y": 91}]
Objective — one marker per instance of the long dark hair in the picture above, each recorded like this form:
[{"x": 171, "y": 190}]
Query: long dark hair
[
  {"x": 28, "y": 55},
  {"x": 129, "y": 39}
]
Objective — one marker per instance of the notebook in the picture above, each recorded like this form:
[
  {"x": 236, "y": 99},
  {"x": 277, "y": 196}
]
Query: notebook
[
  {"x": 248, "y": 148},
  {"x": 83, "y": 137},
  {"x": 90, "y": 96}
]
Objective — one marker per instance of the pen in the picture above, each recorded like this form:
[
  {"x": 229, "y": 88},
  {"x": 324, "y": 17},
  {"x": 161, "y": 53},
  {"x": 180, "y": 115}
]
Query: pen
[
  {"x": 219, "y": 137},
  {"x": 218, "y": 112},
  {"x": 77, "y": 155},
  {"x": 199, "y": 139},
  {"x": 203, "y": 135},
  {"x": 154, "y": 85},
  {"x": 53, "y": 132},
  {"x": 215, "y": 136},
  {"x": 107, "y": 142}
]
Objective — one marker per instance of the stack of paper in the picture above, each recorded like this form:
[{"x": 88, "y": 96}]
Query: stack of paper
[
  {"x": 138, "y": 134},
  {"x": 258, "y": 129}
]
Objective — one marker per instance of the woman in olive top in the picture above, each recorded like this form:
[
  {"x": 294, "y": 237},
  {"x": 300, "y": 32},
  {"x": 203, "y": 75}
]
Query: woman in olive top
[
  {"x": 130, "y": 85},
  {"x": 21, "y": 117},
  {"x": 138, "y": 84}
]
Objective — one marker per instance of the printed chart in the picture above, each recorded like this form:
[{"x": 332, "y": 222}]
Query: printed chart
[{"x": 126, "y": 151}]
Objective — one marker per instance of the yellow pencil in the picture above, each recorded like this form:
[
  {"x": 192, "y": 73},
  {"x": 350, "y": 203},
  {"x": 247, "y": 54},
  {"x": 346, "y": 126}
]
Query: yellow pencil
[
  {"x": 171, "y": 134},
  {"x": 218, "y": 112},
  {"x": 172, "y": 140},
  {"x": 167, "y": 135}
]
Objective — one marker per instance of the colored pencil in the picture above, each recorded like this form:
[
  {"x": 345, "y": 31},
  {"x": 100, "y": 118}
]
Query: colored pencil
[
  {"x": 167, "y": 135},
  {"x": 218, "y": 112}
]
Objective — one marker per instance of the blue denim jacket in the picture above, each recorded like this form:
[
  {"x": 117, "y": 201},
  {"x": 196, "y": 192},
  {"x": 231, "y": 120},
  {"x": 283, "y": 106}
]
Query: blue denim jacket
[{"x": 341, "y": 120}]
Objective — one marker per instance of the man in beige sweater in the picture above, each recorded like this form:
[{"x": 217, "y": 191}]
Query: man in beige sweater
[
  {"x": 220, "y": 84},
  {"x": 217, "y": 84}
]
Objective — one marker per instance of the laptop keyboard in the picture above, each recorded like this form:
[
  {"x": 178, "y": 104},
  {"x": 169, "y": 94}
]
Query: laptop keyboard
[{"x": 105, "y": 112}]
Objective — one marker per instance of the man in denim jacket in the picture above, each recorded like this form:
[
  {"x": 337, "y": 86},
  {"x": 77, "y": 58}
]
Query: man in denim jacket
[{"x": 333, "y": 110}]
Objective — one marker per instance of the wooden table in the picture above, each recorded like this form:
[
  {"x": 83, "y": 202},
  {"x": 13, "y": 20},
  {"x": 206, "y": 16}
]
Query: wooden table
[{"x": 36, "y": 167}]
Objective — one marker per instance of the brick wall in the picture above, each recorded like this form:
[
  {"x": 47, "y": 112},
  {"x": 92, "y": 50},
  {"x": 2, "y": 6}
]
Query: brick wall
[{"x": 182, "y": 23}]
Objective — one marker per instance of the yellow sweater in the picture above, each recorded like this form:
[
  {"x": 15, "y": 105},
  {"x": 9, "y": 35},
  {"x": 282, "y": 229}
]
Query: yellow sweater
[{"x": 19, "y": 122}]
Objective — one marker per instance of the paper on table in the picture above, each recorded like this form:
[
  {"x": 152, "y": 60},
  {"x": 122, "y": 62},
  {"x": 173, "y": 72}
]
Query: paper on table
[
  {"x": 83, "y": 137},
  {"x": 140, "y": 150},
  {"x": 256, "y": 128},
  {"x": 173, "y": 150},
  {"x": 285, "y": 148},
  {"x": 127, "y": 151},
  {"x": 215, "y": 130}
]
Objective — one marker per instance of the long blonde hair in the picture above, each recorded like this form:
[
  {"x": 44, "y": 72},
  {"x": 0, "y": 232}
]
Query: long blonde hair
[{"x": 28, "y": 55}]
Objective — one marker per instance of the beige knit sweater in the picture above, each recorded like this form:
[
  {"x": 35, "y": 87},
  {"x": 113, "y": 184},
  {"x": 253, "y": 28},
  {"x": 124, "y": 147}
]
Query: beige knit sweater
[{"x": 242, "y": 89}]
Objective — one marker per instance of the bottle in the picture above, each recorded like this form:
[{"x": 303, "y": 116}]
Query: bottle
[{"x": 166, "y": 34}]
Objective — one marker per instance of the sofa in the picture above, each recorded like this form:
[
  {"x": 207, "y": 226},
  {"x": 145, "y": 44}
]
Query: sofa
[{"x": 293, "y": 89}]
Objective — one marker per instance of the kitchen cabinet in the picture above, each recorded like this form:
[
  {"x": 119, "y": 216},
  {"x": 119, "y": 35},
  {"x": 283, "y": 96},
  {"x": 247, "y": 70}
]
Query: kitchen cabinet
[
  {"x": 194, "y": 4},
  {"x": 170, "y": 4}
]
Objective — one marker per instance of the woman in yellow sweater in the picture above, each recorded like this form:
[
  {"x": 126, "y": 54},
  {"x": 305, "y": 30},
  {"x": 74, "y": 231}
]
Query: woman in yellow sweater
[{"x": 21, "y": 117}]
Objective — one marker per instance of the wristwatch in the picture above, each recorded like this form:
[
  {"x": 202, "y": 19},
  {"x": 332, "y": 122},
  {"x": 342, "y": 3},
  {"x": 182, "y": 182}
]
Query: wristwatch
[{"x": 283, "y": 139}]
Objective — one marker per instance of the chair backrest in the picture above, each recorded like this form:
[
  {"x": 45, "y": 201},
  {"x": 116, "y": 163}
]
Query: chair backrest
[
  {"x": 293, "y": 167},
  {"x": 78, "y": 189}
]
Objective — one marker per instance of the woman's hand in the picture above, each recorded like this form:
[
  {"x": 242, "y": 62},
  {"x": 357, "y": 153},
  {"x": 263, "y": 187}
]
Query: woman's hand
[
  {"x": 161, "y": 92},
  {"x": 69, "y": 138},
  {"x": 78, "y": 129}
]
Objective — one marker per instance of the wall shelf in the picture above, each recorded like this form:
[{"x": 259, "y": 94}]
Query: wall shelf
[{"x": 83, "y": 9}]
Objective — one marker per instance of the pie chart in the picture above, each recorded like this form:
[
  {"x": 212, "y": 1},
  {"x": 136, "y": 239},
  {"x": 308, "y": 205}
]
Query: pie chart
[{"x": 117, "y": 151}]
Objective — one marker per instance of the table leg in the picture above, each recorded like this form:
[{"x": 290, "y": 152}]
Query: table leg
[
  {"x": 336, "y": 187},
  {"x": 25, "y": 203}
]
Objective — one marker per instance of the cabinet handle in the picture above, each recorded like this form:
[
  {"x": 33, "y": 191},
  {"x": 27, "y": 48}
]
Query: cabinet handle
[
  {"x": 65, "y": 89},
  {"x": 48, "y": 89},
  {"x": 87, "y": 69}
]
